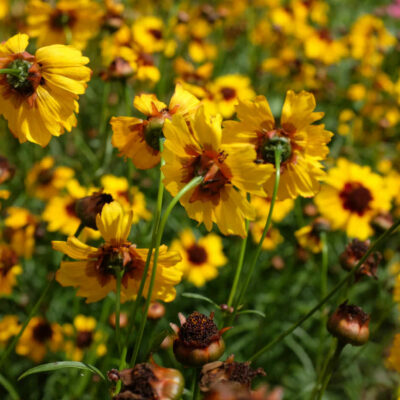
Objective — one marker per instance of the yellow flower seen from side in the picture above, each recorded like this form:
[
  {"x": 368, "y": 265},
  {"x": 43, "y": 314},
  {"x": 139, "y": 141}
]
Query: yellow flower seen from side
[
  {"x": 138, "y": 139},
  {"x": 93, "y": 272},
  {"x": 200, "y": 258},
  {"x": 351, "y": 196},
  {"x": 39, "y": 99},
  {"x": 9, "y": 326},
  {"x": 228, "y": 170},
  {"x": 305, "y": 144},
  {"x": 67, "y": 21},
  {"x": 9, "y": 269},
  {"x": 272, "y": 239},
  {"x": 39, "y": 337}
]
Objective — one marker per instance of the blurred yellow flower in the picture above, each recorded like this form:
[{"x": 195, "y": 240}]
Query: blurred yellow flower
[
  {"x": 9, "y": 269},
  {"x": 9, "y": 326}
]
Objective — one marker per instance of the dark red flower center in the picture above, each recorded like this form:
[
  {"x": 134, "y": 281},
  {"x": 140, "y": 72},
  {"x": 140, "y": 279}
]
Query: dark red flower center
[
  {"x": 45, "y": 176},
  {"x": 228, "y": 93},
  {"x": 42, "y": 332},
  {"x": 70, "y": 209},
  {"x": 356, "y": 198},
  {"x": 197, "y": 254},
  {"x": 156, "y": 33},
  {"x": 8, "y": 258},
  {"x": 84, "y": 339},
  {"x": 61, "y": 19}
]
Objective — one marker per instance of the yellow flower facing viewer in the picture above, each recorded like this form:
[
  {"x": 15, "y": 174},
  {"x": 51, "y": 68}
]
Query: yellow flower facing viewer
[
  {"x": 229, "y": 172},
  {"x": 304, "y": 143},
  {"x": 39, "y": 97},
  {"x": 93, "y": 272},
  {"x": 200, "y": 258}
]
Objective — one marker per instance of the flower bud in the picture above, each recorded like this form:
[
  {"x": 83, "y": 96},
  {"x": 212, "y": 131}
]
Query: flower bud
[
  {"x": 123, "y": 319},
  {"x": 198, "y": 340},
  {"x": 229, "y": 371},
  {"x": 148, "y": 381},
  {"x": 350, "y": 324},
  {"x": 156, "y": 310},
  {"x": 7, "y": 170},
  {"x": 353, "y": 254},
  {"x": 88, "y": 207}
]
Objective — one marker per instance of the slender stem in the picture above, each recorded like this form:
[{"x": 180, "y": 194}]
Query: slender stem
[
  {"x": 257, "y": 253},
  {"x": 195, "y": 384},
  {"x": 127, "y": 98},
  {"x": 331, "y": 368},
  {"x": 10, "y": 71},
  {"x": 118, "y": 275},
  {"x": 346, "y": 279},
  {"x": 33, "y": 311},
  {"x": 239, "y": 267},
  {"x": 191, "y": 185}
]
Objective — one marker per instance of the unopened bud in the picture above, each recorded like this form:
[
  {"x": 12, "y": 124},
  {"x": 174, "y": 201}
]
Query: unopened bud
[
  {"x": 156, "y": 310},
  {"x": 123, "y": 320}
]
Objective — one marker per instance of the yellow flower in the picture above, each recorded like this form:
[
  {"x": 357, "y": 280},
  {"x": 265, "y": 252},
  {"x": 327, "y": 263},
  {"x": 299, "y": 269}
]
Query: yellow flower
[
  {"x": 21, "y": 226},
  {"x": 351, "y": 196},
  {"x": 82, "y": 336},
  {"x": 281, "y": 208},
  {"x": 128, "y": 197},
  {"x": 148, "y": 34},
  {"x": 304, "y": 143},
  {"x": 41, "y": 100},
  {"x": 39, "y": 336},
  {"x": 9, "y": 269},
  {"x": 138, "y": 139},
  {"x": 45, "y": 181},
  {"x": 94, "y": 274},
  {"x": 4, "y": 7},
  {"x": 9, "y": 326},
  {"x": 67, "y": 22},
  {"x": 393, "y": 360},
  {"x": 309, "y": 236},
  {"x": 228, "y": 170},
  {"x": 200, "y": 258},
  {"x": 272, "y": 239}
]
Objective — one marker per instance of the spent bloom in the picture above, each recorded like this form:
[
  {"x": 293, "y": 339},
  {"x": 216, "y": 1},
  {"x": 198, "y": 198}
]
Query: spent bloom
[
  {"x": 38, "y": 96},
  {"x": 94, "y": 272}
]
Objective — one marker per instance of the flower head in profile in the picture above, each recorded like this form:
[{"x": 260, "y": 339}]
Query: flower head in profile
[
  {"x": 39, "y": 97},
  {"x": 9, "y": 269},
  {"x": 53, "y": 24},
  {"x": 9, "y": 326},
  {"x": 351, "y": 196},
  {"x": 303, "y": 144},
  {"x": 200, "y": 258},
  {"x": 309, "y": 236},
  {"x": 38, "y": 338},
  {"x": 94, "y": 272},
  {"x": 228, "y": 172},
  {"x": 138, "y": 139}
]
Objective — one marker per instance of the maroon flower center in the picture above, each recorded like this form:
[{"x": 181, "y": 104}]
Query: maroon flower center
[
  {"x": 197, "y": 254},
  {"x": 156, "y": 33},
  {"x": 8, "y": 258},
  {"x": 228, "y": 93},
  {"x": 84, "y": 339},
  {"x": 356, "y": 198},
  {"x": 70, "y": 209},
  {"x": 42, "y": 332}
]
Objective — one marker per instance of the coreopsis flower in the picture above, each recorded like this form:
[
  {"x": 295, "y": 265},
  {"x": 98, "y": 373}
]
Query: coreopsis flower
[
  {"x": 351, "y": 196},
  {"x": 272, "y": 239},
  {"x": 93, "y": 272},
  {"x": 72, "y": 22},
  {"x": 130, "y": 197},
  {"x": 44, "y": 180},
  {"x": 239, "y": 373},
  {"x": 138, "y": 139},
  {"x": 39, "y": 98},
  {"x": 9, "y": 269},
  {"x": 303, "y": 144},
  {"x": 38, "y": 338},
  {"x": 309, "y": 236},
  {"x": 280, "y": 211},
  {"x": 350, "y": 324},
  {"x": 148, "y": 33},
  {"x": 82, "y": 336},
  {"x": 20, "y": 230},
  {"x": 9, "y": 326},
  {"x": 148, "y": 381},
  {"x": 198, "y": 340},
  {"x": 200, "y": 258},
  {"x": 228, "y": 171}
]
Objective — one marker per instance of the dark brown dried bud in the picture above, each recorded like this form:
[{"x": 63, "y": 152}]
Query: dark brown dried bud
[
  {"x": 241, "y": 374},
  {"x": 88, "y": 207},
  {"x": 350, "y": 324},
  {"x": 198, "y": 340},
  {"x": 149, "y": 381},
  {"x": 354, "y": 253},
  {"x": 7, "y": 170},
  {"x": 156, "y": 310}
]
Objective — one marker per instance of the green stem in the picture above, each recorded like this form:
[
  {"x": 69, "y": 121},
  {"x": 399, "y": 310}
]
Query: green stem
[
  {"x": 127, "y": 98},
  {"x": 346, "y": 279},
  {"x": 331, "y": 368},
  {"x": 195, "y": 384},
  {"x": 191, "y": 185},
  {"x": 118, "y": 275},
  {"x": 11, "y": 346},
  {"x": 239, "y": 267},
  {"x": 257, "y": 253},
  {"x": 10, "y": 71}
]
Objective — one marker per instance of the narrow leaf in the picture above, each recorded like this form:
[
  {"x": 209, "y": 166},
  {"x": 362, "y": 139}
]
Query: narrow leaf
[
  {"x": 261, "y": 314},
  {"x": 10, "y": 389},
  {"x": 60, "y": 365},
  {"x": 200, "y": 297}
]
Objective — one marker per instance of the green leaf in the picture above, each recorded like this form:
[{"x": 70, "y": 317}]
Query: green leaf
[
  {"x": 10, "y": 389},
  {"x": 200, "y": 297},
  {"x": 261, "y": 314},
  {"x": 60, "y": 365}
]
